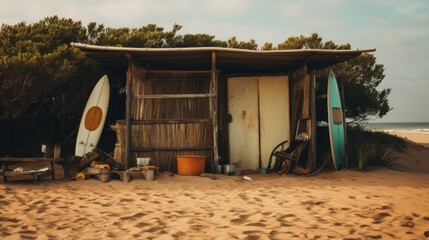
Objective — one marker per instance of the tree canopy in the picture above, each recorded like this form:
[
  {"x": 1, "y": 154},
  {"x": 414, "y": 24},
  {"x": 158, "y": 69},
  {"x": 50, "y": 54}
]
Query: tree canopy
[
  {"x": 361, "y": 76},
  {"x": 39, "y": 68}
]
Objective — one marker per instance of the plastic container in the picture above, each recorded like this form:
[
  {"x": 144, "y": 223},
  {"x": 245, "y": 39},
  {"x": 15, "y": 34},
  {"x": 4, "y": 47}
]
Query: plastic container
[
  {"x": 190, "y": 165},
  {"x": 143, "y": 161},
  {"x": 229, "y": 169}
]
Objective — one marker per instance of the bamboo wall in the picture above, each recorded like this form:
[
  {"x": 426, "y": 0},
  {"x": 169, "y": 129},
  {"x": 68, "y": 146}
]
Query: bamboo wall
[{"x": 163, "y": 128}]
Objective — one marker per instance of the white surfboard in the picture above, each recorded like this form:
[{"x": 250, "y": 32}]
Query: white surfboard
[{"x": 93, "y": 118}]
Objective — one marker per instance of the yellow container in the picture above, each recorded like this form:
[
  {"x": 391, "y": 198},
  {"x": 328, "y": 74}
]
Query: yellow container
[{"x": 190, "y": 165}]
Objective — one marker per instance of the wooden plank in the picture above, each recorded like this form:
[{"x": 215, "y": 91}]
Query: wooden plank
[
  {"x": 28, "y": 159},
  {"x": 306, "y": 97},
  {"x": 153, "y": 149},
  {"x": 313, "y": 140},
  {"x": 213, "y": 108},
  {"x": 274, "y": 112},
  {"x": 128, "y": 115},
  {"x": 169, "y": 96},
  {"x": 169, "y": 121},
  {"x": 179, "y": 71},
  {"x": 244, "y": 127}
]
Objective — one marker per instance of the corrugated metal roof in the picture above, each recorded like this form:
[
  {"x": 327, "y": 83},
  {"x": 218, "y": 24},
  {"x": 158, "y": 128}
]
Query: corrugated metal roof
[{"x": 228, "y": 60}]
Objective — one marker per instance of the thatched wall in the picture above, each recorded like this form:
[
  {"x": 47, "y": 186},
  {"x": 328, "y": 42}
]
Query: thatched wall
[{"x": 164, "y": 128}]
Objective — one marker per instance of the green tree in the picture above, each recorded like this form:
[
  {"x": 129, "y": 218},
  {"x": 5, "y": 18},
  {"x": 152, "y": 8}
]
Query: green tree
[
  {"x": 44, "y": 82},
  {"x": 36, "y": 62},
  {"x": 234, "y": 43},
  {"x": 361, "y": 77}
]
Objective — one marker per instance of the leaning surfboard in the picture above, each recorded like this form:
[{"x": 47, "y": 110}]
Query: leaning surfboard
[
  {"x": 336, "y": 124},
  {"x": 93, "y": 118}
]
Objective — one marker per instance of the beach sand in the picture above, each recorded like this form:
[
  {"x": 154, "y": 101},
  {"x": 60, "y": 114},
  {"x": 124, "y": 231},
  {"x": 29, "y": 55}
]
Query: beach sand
[
  {"x": 337, "y": 205},
  {"x": 415, "y": 158},
  {"x": 374, "y": 204}
]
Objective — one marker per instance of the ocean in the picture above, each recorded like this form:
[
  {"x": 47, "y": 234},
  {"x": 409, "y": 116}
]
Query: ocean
[{"x": 416, "y": 127}]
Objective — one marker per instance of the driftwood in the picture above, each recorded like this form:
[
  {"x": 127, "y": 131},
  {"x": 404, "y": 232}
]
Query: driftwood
[{"x": 96, "y": 155}]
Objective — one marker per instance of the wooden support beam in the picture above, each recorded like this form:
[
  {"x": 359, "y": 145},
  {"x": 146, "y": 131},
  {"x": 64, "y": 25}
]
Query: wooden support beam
[
  {"x": 297, "y": 99},
  {"x": 313, "y": 140},
  {"x": 213, "y": 109},
  {"x": 128, "y": 114},
  {"x": 154, "y": 149},
  {"x": 167, "y": 96},
  {"x": 170, "y": 121},
  {"x": 306, "y": 96},
  {"x": 180, "y": 71}
]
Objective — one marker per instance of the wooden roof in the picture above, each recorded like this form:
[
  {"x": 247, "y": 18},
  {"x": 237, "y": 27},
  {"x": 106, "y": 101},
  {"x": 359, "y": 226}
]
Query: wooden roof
[{"x": 228, "y": 60}]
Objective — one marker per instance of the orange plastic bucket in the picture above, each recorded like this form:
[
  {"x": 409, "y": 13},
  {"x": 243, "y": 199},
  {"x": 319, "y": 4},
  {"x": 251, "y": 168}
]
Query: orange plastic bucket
[{"x": 190, "y": 165}]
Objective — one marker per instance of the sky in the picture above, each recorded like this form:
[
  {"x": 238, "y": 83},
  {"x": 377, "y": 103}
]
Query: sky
[{"x": 397, "y": 29}]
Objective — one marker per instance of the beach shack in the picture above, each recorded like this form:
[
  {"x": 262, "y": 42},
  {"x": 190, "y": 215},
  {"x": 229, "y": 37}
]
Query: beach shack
[{"x": 226, "y": 104}]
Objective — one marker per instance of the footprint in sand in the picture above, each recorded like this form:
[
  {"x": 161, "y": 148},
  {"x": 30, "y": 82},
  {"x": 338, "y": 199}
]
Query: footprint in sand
[
  {"x": 179, "y": 234},
  {"x": 140, "y": 225},
  {"x": 284, "y": 222},
  {"x": 197, "y": 227},
  {"x": 12, "y": 220},
  {"x": 373, "y": 236},
  {"x": 181, "y": 212},
  {"x": 256, "y": 224},
  {"x": 241, "y": 219},
  {"x": 27, "y": 232},
  {"x": 243, "y": 197},
  {"x": 386, "y": 207},
  {"x": 379, "y": 217},
  {"x": 408, "y": 222}
]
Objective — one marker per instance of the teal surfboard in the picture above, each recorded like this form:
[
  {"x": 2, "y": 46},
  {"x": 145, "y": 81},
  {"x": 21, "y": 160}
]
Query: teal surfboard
[{"x": 335, "y": 121}]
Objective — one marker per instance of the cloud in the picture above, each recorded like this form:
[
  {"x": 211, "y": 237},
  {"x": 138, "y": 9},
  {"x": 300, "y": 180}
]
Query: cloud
[{"x": 415, "y": 8}]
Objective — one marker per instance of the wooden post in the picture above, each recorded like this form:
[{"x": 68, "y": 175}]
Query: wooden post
[
  {"x": 296, "y": 79},
  {"x": 343, "y": 107},
  {"x": 128, "y": 114},
  {"x": 213, "y": 108},
  {"x": 306, "y": 85},
  {"x": 313, "y": 143}
]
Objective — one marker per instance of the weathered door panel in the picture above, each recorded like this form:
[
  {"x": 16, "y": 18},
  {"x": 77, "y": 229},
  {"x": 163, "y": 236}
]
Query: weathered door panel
[
  {"x": 244, "y": 128},
  {"x": 274, "y": 114}
]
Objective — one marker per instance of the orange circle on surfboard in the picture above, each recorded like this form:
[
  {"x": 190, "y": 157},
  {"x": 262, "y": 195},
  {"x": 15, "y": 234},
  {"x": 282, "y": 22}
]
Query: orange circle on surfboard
[{"x": 93, "y": 118}]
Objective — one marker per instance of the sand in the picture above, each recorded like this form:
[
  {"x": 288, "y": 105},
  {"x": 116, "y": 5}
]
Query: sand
[
  {"x": 374, "y": 204},
  {"x": 338, "y": 205},
  {"x": 416, "y": 158}
]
